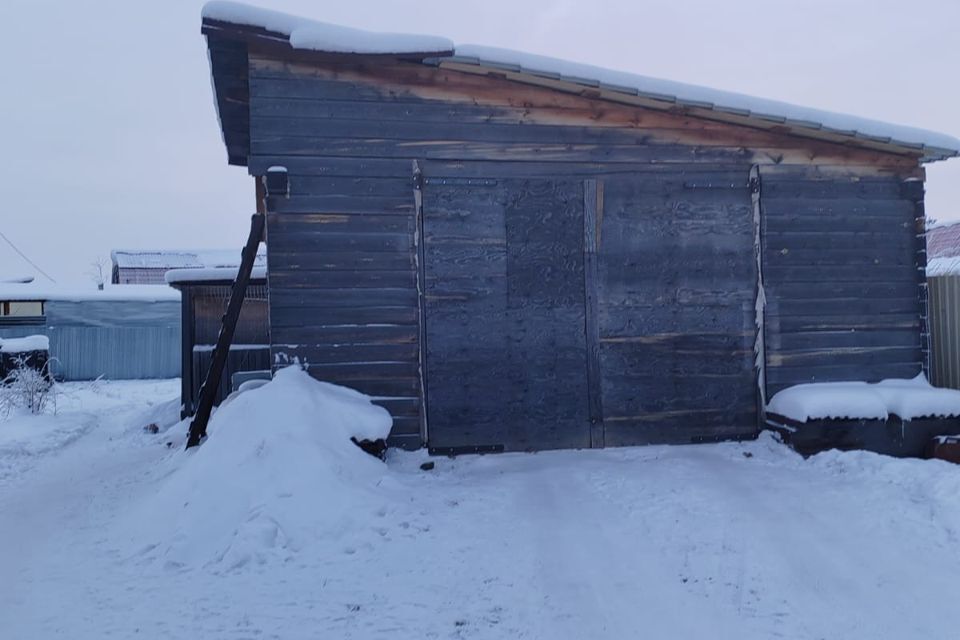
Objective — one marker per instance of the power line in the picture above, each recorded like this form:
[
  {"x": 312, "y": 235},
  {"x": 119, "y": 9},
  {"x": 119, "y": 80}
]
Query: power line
[{"x": 24, "y": 256}]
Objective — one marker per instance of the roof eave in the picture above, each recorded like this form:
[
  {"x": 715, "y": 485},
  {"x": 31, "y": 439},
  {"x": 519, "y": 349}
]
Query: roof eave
[
  {"x": 232, "y": 102},
  {"x": 629, "y": 95}
]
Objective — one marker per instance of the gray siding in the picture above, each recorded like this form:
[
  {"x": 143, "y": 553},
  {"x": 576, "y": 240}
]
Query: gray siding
[
  {"x": 111, "y": 339},
  {"x": 945, "y": 331}
]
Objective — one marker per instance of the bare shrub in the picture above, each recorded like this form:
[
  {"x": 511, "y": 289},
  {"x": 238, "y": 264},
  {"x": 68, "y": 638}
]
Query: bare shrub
[{"x": 28, "y": 389}]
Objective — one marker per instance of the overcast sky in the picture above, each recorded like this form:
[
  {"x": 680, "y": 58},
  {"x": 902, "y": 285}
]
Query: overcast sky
[{"x": 110, "y": 138}]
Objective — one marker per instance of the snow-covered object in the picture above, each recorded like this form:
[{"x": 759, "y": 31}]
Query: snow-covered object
[
  {"x": 182, "y": 259},
  {"x": 81, "y": 293},
  {"x": 318, "y": 36},
  {"x": 277, "y": 472},
  {"x": 176, "y": 276},
  {"x": 949, "y": 266},
  {"x": 907, "y": 398},
  {"x": 25, "y": 344}
]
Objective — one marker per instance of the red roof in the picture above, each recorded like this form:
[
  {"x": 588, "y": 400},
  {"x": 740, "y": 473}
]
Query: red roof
[{"x": 943, "y": 241}]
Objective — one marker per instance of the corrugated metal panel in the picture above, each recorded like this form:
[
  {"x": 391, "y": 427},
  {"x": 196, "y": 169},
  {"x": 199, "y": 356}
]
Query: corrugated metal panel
[
  {"x": 944, "y": 312},
  {"x": 112, "y": 339}
]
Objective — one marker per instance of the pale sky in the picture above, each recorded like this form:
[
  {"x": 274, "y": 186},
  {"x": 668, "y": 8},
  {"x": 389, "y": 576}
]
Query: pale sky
[{"x": 109, "y": 136}]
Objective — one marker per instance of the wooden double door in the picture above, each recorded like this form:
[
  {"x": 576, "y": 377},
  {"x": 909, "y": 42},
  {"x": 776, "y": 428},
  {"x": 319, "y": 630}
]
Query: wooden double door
[{"x": 579, "y": 311}]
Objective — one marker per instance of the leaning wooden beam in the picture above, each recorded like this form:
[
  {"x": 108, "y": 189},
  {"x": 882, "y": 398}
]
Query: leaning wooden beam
[{"x": 208, "y": 390}]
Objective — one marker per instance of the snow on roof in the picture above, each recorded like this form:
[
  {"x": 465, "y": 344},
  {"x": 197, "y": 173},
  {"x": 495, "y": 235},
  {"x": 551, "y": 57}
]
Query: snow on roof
[
  {"x": 943, "y": 241},
  {"x": 946, "y": 266},
  {"x": 181, "y": 276},
  {"x": 24, "y": 344},
  {"x": 319, "y": 36},
  {"x": 704, "y": 97},
  {"x": 81, "y": 293},
  {"x": 181, "y": 259},
  {"x": 909, "y": 399}
]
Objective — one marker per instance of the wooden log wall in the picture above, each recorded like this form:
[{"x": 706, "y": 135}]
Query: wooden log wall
[
  {"x": 343, "y": 246},
  {"x": 843, "y": 267},
  {"x": 676, "y": 289},
  {"x": 203, "y": 306}
]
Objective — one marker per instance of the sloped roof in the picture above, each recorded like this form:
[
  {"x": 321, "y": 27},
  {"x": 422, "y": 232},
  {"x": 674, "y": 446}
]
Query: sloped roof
[
  {"x": 308, "y": 35},
  {"x": 943, "y": 241},
  {"x": 943, "y": 250},
  {"x": 181, "y": 259},
  {"x": 83, "y": 293}
]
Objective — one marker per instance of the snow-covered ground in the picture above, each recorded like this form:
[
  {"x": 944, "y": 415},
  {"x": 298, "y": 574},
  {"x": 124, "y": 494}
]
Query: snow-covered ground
[{"x": 273, "y": 530}]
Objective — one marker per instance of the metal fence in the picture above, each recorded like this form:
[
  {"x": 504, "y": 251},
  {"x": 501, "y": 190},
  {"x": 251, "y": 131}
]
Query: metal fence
[
  {"x": 121, "y": 339},
  {"x": 944, "y": 313}
]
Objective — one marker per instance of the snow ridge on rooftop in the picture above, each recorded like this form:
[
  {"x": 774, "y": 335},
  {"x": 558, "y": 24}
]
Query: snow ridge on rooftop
[
  {"x": 182, "y": 259},
  {"x": 318, "y": 36}
]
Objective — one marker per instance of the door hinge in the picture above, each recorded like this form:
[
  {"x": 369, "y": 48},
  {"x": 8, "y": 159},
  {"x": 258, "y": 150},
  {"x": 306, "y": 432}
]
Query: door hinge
[{"x": 417, "y": 177}]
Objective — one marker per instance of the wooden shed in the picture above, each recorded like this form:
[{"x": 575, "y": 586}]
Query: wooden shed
[
  {"x": 148, "y": 266},
  {"x": 205, "y": 294},
  {"x": 513, "y": 252}
]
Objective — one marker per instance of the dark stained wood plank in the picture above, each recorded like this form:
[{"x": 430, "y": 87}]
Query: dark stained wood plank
[
  {"x": 281, "y": 259},
  {"x": 342, "y": 298},
  {"x": 328, "y": 279},
  {"x": 779, "y": 378},
  {"x": 682, "y": 427},
  {"x": 592, "y": 216},
  {"x": 345, "y": 334},
  {"x": 842, "y": 280},
  {"x": 294, "y": 315},
  {"x": 506, "y": 343},
  {"x": 340, "y": 204},
  {"x": 281, "y": 224},
  {"x": 676, "y": 289},
  {"x": 818, "y": 340}
]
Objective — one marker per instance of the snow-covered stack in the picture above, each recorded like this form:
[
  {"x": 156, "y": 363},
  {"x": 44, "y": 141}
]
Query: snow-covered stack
[
  {"x": 31, "y": 352},
  {"x": 277, "y": 474},
  {"x": 909, "y": 399}
]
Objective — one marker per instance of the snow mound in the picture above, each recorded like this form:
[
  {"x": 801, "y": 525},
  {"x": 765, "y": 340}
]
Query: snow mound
[
  {"x": 277, "y": 473},
  {"x": 907, "y": 398}
]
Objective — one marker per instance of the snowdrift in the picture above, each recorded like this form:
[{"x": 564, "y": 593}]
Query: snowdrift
[{"x": 277, "y": 473}]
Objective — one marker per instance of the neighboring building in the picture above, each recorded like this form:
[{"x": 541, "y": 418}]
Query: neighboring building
[
  {"x": 943, "y": 280},
  {"x": 943, "y": 250},
  {"x": 118, "y": 333},
  {"x": 512, "y": 252},
  {"x": 205, "y": 295},
  {"x": 149, "y": 267}
]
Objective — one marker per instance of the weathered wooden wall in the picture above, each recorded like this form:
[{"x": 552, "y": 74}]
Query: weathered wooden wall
[
  {"x": 677, "y": 285},
  {"x": 504, "y": 303},
  {"x": 843, "y": 268},
  {"x": 203, "y": 306},
  {"x": 673, "y": 260}
]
